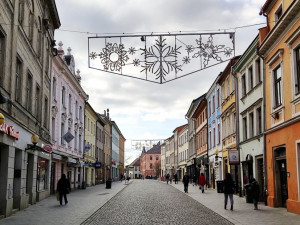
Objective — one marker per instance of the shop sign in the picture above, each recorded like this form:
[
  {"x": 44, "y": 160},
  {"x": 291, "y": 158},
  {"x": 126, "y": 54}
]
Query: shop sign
[
  {"x": 98, "y": 164},
  {"x": 48, "y": 148},
  {"x": 9, "y": 130},
  {"x": 233, "y": 157}
]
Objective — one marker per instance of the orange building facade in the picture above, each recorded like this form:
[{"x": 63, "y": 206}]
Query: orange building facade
[{"x": 279, "y": 47}]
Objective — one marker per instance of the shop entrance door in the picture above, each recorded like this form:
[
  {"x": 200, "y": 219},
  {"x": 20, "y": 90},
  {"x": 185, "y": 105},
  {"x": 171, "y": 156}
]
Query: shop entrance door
[
  {"x": 52, "y": 178},
  {"x": 260, "y": 177},
  {"x": 281, "y": 177}
]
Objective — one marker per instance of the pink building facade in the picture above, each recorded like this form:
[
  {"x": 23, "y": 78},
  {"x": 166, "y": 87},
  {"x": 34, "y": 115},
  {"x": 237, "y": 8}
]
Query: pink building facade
[
  {"x": 67, "y": 120},
  {"x": 150, "y": 162}
]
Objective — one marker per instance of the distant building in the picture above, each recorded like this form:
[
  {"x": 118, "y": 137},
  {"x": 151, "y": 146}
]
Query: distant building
[
  {"x": 150, "y": 162},
  {"x": 133, "y": 170},
  {"x": 183, "y": 146}
]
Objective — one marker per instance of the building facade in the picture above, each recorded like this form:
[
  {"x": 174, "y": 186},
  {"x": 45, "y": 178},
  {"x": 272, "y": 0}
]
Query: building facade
[
  {"x": 279, "y": 46},
  {"x": 99, "y": 154},
  {"x": 150, "y": 162},
  {"x": 248, "y": 70},
  {"x": 214, "y": 130},
  {"x": 91, "y": 118},
  {"x": 183, "y": 146},
  {"x": 107, "y": 144},
  {"x": 26, "y": 54},
  {"x": 67, "y": 120},
  {"x": 230, "y": 152}
]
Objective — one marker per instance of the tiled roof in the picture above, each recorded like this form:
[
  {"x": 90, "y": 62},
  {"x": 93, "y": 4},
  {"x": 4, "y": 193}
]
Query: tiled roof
[{"x": 155, "y": 149}]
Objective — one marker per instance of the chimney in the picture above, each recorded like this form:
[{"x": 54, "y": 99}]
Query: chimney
[{"x": 107, "y": 113}]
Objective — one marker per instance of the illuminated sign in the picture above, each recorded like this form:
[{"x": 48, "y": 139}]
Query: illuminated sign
[{"x": 9, "y": 130}]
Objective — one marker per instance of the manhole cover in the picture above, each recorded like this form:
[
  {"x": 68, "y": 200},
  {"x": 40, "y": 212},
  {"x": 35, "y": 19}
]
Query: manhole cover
[{"x": 103, "y": 194}]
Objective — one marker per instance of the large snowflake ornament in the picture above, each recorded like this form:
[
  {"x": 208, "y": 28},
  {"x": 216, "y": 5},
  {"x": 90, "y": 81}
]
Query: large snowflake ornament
[
  {"x": 113, "y": 57},
  {"x": 210, "y": 51}
]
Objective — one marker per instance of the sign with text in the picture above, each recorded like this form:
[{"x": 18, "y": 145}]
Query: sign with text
[
  {"x": 234, "y": 158},
  {"x": 9, "y": 130}
]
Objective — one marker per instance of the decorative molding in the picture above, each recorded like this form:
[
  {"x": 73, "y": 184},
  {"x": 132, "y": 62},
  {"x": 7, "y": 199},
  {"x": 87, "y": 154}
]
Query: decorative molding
[
  {"x": 63, "y": 117},
  {"x": 54, "y": 111}
]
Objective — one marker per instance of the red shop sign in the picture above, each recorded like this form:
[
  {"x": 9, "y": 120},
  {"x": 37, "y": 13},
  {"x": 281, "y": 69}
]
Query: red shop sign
[
  {"x": 48, "y": 148},
  {"x": 9, "y": 130}
]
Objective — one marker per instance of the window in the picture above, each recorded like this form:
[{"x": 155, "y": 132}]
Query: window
[
  {"x": 2, "y": 51},
  {"x": 151, "y": 166},
  {"x": 46, "y": 115},
  {"x": 63, "y": 96},
  {"x": 251, "y": 125},
  {"x": 227, "y": 87},
  {"x": 150, "y": 157},
  {"x": 70, "y": 103},
  {"x": 244, "y": 91},
  {"x": 259, "y": 120},
  {"x": 250, "y": 77},
  {"x": 39, "y": 38},
  {"x": 28, "y": 92},
  {"x": 233, "y": 122},
  {"x": 69, "y": 143},
  {"x": 278, "y": 13},
  {"x": 80, "y": 113},
  {"x": 30, "y": 24},
  {"x": 297, "y": 69},
  {"x": 76, "y": 110},
  {"x": 79, "y": 142},
  {"x": 277, "y": 87},
  {"x": 37, "y": 102},
  {"x": 75, "y": 141},
  {"x": 257, "y": 71},
  {"x": 214, "y": 137},
  {"x": 62, "y": 132},
  {"x": 18, "y": 80},
  {"x": 218, "y": 98},
  {"x": 245, "y": 128},
  {"x": 213, "y": 105},
  {"x": 53, "y": 130},
  {"x": 20, "y": 12},
  {"x": 228, "y": 126},
  {"x": 54, "y": 89},
  {"x": 209, "y": 138},
  {"x": 219, "y": 134},
  {"x": 157, "y": 157},
  {"x": 42, "y": 174}
]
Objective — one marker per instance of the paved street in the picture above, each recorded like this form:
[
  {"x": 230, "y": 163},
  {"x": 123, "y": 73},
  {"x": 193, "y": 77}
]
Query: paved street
[
  {"x": 152, "y": 202},
  {"x": 147, "y": 202}
]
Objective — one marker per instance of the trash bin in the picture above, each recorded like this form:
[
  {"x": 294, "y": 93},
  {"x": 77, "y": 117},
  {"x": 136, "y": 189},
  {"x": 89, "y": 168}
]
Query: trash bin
[
  {"x": 220, "y": 184},
  {"x": 83, "y": 185},
  {"x": 108, "y": 184},
  {"x": 248, "y": 193}
]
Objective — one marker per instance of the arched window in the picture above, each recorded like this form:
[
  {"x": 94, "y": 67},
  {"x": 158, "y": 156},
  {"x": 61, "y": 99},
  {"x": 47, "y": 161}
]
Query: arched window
[{"x": 63, "y": 96}]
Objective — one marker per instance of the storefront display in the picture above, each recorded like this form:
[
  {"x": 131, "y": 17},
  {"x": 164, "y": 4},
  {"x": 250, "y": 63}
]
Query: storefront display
[{"x": 42, "y": 174}]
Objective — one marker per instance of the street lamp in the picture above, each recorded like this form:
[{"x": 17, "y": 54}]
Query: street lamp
[
  {"x": 34, "y": 140},
  {"x": 1, "y": 118}
]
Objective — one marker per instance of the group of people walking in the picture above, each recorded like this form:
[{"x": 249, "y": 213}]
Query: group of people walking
[{"x": 228, "y": 187}]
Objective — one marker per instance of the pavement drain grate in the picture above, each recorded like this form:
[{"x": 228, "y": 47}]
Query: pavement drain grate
[{"x": 103, "y": 194}]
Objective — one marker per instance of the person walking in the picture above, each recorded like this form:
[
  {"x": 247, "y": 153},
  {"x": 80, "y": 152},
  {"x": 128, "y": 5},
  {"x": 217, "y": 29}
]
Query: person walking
[
  {"x": 186, "y": 180},
  {"x": 255, "y": 192},
  {"x": 194, "y": 180},
  {"x": 63, "y": 188},
  {"x": 167, "y": 178},
  {"x": 228, "y": 190},
  {"x": 176, "y": 178},
  {"x": 202, "y": 182}
]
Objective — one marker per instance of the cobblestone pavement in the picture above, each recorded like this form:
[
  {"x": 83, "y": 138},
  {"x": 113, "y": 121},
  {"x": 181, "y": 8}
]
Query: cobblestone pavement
[{"x": 152, "y": 202}]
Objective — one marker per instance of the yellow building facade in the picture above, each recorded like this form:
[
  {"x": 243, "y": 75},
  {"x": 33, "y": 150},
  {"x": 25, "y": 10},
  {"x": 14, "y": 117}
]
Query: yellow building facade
[
  {"x": 91, "y": 118},
  {"x": 228, "y": 114}
]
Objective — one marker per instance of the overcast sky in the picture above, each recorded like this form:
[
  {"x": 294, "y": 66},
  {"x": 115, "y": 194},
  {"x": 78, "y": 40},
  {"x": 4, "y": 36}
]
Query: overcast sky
[{"x": 144, "y": 110}]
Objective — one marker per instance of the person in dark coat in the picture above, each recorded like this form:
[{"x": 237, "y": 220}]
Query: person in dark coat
[
  {"x": 202, "y": 182},
  {"x": 176, "y": 178},
  {"x": 228, "y": 190},
  {"x": 186, "y": 180},
  {"x": 167, "y": 178},
  {"x": 63, "y": 188},
  {"x": 194, "y": 180},
  {"x": 255, "y": 192}
]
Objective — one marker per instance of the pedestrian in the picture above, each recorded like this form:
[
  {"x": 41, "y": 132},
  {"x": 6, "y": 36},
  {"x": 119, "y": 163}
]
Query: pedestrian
[
  {"x": 167, "y": 178},
  {"x": 63, "y": 188},
  {"x": 194, "y": 180},
  {"x": 186, "y": 180},
  {"x": 176, "y": 178},
  {"x": 202, "y": 182},
  {"x": 255, "y": 192},
  {"x": 121, "y": 177},
  {"x": 228, "y": 190}
]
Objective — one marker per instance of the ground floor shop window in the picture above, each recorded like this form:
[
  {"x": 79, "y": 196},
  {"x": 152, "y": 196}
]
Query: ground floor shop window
[{"x": 42, "y": 174}]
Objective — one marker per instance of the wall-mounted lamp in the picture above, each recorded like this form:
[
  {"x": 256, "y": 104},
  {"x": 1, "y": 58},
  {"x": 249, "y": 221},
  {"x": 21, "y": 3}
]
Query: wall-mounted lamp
[{"x": 2, "y": 119}]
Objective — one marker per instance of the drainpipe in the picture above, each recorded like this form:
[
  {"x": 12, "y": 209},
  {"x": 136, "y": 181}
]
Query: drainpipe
[{"x": 264, "y": 128}]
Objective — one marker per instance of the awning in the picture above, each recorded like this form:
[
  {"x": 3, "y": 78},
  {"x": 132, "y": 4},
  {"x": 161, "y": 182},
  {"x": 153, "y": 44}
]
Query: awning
[
  {"x": 71, "y": 160},
  {"x": 55, "y": 156}
]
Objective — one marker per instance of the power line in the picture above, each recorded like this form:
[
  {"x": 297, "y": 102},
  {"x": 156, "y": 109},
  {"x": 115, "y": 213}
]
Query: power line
[{"x": 132, "y": 33}]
